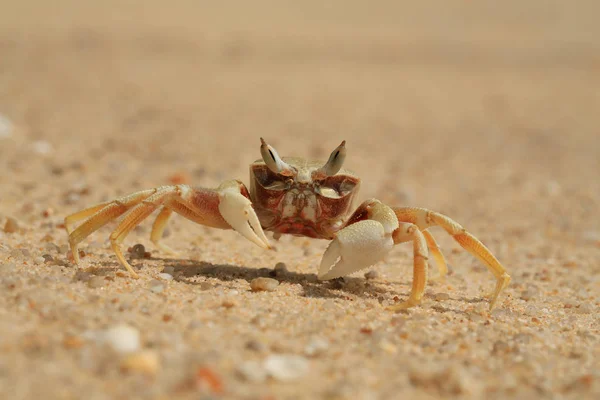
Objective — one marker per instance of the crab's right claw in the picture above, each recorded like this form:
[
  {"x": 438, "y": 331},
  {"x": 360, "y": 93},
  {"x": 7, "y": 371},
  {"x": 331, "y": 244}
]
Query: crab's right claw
[
  {"x": 237, "y": 211},
  {"x": 355, "y": 247}
]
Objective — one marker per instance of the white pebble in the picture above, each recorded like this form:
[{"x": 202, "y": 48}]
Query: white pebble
[
  {"x": 316, "y": 346},
  {"x": 266, "y": 284},
  {"x": 286, "y": 367},
  {"x": 252, "y": 371},
  {"x": 165, "y": 276},
  {"x": 123, "y": 338},
  {"x": 6, "y": 127},
  {"x": 42, "y": 147}
]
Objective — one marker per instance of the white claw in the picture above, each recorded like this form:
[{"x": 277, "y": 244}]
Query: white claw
[
  {"x": 355, "y": 247},
  {"x": 238, "y": 212}
]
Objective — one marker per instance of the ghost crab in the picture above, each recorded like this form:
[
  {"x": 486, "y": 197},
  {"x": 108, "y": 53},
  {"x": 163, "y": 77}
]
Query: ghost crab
[{"x": 298, "y": 197}]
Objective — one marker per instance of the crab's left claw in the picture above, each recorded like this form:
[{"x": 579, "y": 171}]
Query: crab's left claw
[
  {"x": 237, "y": 210},
  {"x": 355, "y": 247}
]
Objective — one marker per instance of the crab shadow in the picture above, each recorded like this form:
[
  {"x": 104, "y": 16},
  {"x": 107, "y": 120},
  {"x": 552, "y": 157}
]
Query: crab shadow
[{"x": 188, "y": 270}]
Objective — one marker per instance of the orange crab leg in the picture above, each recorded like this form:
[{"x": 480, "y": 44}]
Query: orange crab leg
[{"x": 424, "y": 219}]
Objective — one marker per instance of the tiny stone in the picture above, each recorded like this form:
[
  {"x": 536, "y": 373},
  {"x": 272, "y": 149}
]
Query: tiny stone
[
  {"x": 145, "y": 362},
  {"x": 316, "y": 347},
  {"x": 39, "y": 260},
  {"x": 47, "y": 258},
  {"x": 166, "y": 277},
  {"x": 280, "y": 269},
  {"x": 96, "y": 282},
  {"x": 169, "y": 270},
  {"x": 228, "y": 303},
  {"x": 6, "y": 127},
  {"x": 255, "y": 345},
  {"x": 372, "y": 274},
  {"x": 251, "y": 371},
  {"x": 286, "y": 367},
  {"x": 138, "y": 251},
  {"x": 266, "y": 284},
  {"x": 123, "y": 338},
  {"x": 156, "y": 286},
  {"x": 11, "y": 225},
  {"x": 41, "y": 147},
  {"x": 441, "y": 296}
]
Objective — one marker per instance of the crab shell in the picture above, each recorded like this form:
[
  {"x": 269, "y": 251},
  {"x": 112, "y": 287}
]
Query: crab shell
[{"x": 305, "y": 202}]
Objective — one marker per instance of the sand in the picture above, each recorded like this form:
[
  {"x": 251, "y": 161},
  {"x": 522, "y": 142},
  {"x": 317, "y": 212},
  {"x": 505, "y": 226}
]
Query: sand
[{"x": 485, "y": 112}]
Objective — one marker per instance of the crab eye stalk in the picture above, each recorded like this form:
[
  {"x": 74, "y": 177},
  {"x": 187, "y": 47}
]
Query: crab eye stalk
[
  {"x": 273, "y": 161},
  {"x": 336, "y": 160}
]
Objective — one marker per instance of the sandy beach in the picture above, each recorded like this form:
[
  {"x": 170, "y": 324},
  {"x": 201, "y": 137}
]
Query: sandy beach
[{"x": 485, "y": 112}]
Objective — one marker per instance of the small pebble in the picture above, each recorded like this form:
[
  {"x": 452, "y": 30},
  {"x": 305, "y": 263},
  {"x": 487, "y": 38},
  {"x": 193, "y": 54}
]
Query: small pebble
[
  {"x": 266, "y": 284},
  {"x": 228, "y": 303},
  {"x": 255, "y": 345},
  {"x": 123, "y": 338},
  {"x": 286, "y": 367},
  {"x": 156, "y": 286},
  {"x": 372, "y": 274},
  {"x": 280, "y": 269},
  {"x": 165, "y": 277},
  {"x": 441, "y": 296},
  {"x": 316, "y": 347},
  {"x": 6, "y": 127},
  {"x": 42, "y": 147},
  {"x": 138, "y": 251},
  {"x": 39, "y": 260},
  {"x": 145, "y": 362},
  {"x": 11, "y": 225},
  {"x": 47, "y": 258},
  {"x": 251, "y": 371},
  {"x": 169, "y": 270},
  {"x": 96, "y": 281}
]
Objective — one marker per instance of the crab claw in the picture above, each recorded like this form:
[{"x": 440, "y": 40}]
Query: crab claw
[
  {"x": 237, "y": 210},
  {"x": 355, "y": 247}
]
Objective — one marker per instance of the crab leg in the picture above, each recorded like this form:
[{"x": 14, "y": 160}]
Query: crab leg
[
  {"x": 437, "y": 255},
  {"x": 424, "y": 219},
  {"x": 407, "y": 232},
  {"x": 99, "y": 216},
  {"x": 227, "y": 207}
]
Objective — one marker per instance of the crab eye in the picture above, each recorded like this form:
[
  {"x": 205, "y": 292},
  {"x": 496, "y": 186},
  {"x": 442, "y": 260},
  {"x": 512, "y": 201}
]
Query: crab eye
[
  {"x": 336, "y": 160},
  {"x": 273, "y": 161},
  {"x": 337, "y": 187},
  {"x": 269, "y": 179}
]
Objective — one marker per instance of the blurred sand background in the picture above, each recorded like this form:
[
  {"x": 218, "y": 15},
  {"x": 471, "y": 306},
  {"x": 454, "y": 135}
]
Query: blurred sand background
[{"x": 486, "y": 111}]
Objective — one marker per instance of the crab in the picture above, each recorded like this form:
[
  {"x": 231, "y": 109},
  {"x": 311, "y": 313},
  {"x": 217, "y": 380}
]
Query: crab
[{"x": 294, "y": 196}]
